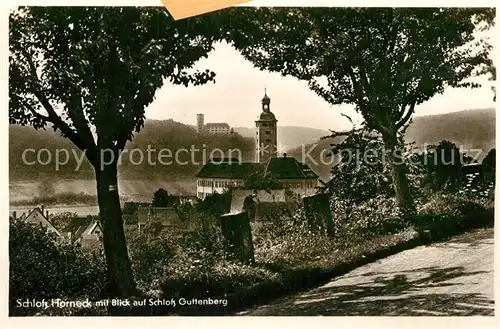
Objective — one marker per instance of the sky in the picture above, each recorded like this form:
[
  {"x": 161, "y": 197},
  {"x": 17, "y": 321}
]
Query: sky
[{"x": 239, "y": 87}]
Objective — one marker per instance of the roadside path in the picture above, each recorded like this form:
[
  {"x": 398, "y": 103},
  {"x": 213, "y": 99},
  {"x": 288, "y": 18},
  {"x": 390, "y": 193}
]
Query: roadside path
[{"x": 451, "y": 278}]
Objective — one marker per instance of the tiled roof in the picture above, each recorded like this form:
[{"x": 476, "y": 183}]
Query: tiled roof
[
  {"x": 36, "y": 216},
  {"x": 228, "y": 160},
  {"x": 288, "y": 168},
  {"x": 91, "y": 228},
  {"x": 278, "y": 168},
  {"x": 235, "y": 170},
  {"x": 78, "y": 233},
  {"x": 217, "y": 124},
  {"x": 267, "y": 116}
]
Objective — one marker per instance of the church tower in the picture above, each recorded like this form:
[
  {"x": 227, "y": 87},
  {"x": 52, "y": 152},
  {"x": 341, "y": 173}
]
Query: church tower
[{"x": 266, "y": 137}]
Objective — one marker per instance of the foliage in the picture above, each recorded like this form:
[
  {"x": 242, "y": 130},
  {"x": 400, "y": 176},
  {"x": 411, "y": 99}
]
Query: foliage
[
  {"x": 189, "y": 264},
  {"x": 489, "y": 166},
  {"x": 63, "y": 221},
  {"x": 362, "y": 172},
  {"x": 287, "y": 241},
  {"x": 206, "y": 234},
  {"x": 443, "y": 166},
  {"x": 446, "y": 215},
  {"x": 215, "y": 204},
  {"x": 186, "y": 211},
  {"x": 450, "y": 206},
  {"x": 90, "y": 72},
  {"x": 149, "y": 251},
  {"x": 196, "y": 274},
  {"x": 258, "y": 181},
  {"x": 136, "y": 47},
  {"x": 161, "y": 198},
  {"x": 41, "y": 268},
  {"x": 385, "y": 61},
  {"x": 130, "y": 208},
  {"x": 374, "y": 217}
]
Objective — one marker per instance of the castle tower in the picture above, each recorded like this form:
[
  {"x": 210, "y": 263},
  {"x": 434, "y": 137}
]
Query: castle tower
[
  {"x": 266, "y": 137},
  {"x": 200, "y": 123}
]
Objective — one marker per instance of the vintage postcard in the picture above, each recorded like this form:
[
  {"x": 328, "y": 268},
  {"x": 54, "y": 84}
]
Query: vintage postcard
[{"x": 251, "y": 161}]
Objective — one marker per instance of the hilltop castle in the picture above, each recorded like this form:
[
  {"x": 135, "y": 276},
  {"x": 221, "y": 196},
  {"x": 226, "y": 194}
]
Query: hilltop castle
[{"x": 211, "y": 128}]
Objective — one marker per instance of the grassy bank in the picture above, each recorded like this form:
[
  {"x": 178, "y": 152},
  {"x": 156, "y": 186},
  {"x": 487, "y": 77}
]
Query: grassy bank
[{"x": 316, "y": 272}]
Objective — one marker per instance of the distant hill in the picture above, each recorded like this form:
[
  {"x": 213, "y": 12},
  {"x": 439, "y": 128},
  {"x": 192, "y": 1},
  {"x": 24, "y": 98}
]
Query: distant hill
[
  {"x": 166, "y": 135},
  {"x": 474, "y": 129},
  {"x": 289, "y": 136},
  {"x": 471, "y": 129}
]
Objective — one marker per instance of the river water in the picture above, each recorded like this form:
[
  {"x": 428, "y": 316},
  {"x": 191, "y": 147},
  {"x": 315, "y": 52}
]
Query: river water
[{"x": 83, "y": 210}]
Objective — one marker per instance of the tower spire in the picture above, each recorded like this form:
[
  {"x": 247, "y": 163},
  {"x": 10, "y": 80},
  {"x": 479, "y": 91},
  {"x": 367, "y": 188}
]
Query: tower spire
[{"x": 266, "y": 137}]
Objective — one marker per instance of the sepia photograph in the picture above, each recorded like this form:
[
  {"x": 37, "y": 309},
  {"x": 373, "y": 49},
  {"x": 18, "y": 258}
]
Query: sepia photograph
[{"x": 251, "y": 161}]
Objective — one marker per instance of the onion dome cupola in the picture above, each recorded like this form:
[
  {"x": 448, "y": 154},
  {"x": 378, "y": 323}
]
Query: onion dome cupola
[{"x": 266, "y": 114}]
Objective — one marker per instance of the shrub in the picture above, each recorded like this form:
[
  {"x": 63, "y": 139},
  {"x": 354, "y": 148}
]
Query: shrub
[
  {"x": 215, "y": 204},
  {"x": 285, "y": 239},
  {"x": 206, "y": 234},
  {"x": 41, "y": 268},
  {"x": 161, "y": 198},
  {"x": 358, "y": 177},
  {"x": 376, "y": 216},
  {"x": 148, "y": 254},
  {"x": 449, "y": 206},
  {"x": 197, "y": 274},
  {"x": 63, "y": 221}
]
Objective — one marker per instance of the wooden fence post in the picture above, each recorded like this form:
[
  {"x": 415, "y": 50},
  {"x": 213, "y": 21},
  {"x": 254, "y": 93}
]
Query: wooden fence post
[
  {"x": 318, "y": 212},
  {"x": 238, "y": 236}
]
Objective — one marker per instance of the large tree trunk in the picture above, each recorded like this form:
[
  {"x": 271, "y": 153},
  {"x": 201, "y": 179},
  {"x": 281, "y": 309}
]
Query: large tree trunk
[
  {"x": 399, "y": 172},
  {"x": 120, "y": 277}
]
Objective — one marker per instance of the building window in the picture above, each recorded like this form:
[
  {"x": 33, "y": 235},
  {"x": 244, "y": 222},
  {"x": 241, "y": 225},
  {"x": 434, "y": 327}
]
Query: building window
[
  {"x": 268, "y": 141},
  {"x": 268, "y": 132}
]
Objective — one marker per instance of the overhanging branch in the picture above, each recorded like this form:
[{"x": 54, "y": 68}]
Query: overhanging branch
[
  {"x": 407, "y": 116},
  {"x": 34, "y": 88}
]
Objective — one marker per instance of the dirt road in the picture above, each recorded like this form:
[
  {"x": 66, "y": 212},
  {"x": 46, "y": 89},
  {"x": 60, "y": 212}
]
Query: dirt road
[{"x": 451, "y": 278}]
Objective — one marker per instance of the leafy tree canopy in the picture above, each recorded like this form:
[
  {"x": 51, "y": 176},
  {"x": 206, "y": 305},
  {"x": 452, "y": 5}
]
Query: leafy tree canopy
[
  {"x": 161, "y": 198},
  {"x": 77, "y": 67},
  {"x": 383, "y": 60},
  {"x": 258, "y": 181},
  {"x": 362, "y": 172}
]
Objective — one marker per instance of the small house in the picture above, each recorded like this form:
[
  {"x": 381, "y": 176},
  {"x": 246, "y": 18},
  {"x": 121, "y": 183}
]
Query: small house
[
  {"x": 38, "y": 218},
  {"x": 90, "y": 235}
]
